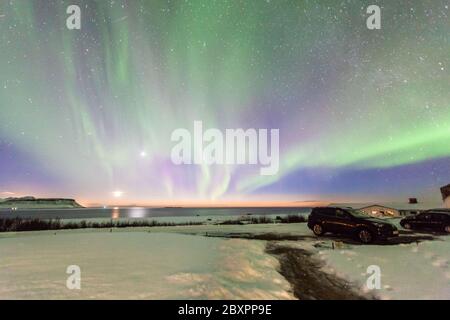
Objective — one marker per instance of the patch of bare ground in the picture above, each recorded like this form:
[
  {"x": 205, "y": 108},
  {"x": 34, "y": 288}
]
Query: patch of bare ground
[
  {"x": 308, "y": 281},
  {"x": 304, "y": 271},
  {"x": 404, "y": 238}
]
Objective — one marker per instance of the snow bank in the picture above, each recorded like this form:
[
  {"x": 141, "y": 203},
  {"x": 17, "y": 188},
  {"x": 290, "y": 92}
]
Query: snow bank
[{"x": 137, "y": 265}]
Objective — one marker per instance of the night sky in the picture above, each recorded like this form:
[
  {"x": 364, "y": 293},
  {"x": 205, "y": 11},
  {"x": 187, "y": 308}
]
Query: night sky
[{"x": 363, "y": 114}]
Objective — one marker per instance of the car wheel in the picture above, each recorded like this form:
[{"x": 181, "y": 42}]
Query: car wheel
[
  {"x": 407, "y": 226},
  {"x": 365, "y": 236},
  {"x": 318, "y": 230}
]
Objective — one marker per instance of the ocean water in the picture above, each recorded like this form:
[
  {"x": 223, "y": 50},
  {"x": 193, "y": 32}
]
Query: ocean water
[{"x": 169, "y": 214}]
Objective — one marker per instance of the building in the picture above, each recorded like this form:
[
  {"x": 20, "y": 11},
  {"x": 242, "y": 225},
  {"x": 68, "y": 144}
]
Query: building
[
  {"x": 445, "y": 191},
  {"x": 394, "y": 209},
  {"x": 412, "y": 207},
  {"x": 377, "y": 210}
]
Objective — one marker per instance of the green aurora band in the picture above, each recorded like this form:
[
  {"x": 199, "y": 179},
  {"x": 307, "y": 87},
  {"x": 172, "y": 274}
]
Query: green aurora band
[{"x": 77, "y": 107}]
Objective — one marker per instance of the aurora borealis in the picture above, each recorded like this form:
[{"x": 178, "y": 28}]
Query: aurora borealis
[{"x": 363, "y": 114}]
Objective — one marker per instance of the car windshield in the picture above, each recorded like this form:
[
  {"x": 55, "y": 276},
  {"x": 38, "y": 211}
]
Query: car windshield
[{"x": 357, "y": 213}]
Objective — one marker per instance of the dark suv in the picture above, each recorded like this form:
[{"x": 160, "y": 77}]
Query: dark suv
[
  {"x": 435, "y": 219},
  {"x": 350, "y": 222}
]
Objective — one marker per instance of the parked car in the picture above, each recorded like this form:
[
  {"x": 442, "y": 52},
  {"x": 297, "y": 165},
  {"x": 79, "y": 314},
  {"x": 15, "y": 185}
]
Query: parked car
[
  {"x": 347, "y": 221},
  {"x": 435, "y": 219}
]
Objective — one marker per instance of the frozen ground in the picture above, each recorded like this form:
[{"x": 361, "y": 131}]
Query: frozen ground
[
  {"x": 202, "y": 262},
  {"x": 408, "y": 271},
  {"x": 137, "y": 265},
  {"x": 417, "y": 270}
]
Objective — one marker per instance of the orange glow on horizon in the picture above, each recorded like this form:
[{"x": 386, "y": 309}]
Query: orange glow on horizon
[
  {"x": 239, "y": 201},
  {"x": 203, "y": 204},
  {"x": 278, "y": 201}
]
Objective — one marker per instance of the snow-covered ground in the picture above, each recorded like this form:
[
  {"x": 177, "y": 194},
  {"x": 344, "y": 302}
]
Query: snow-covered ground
[
  {"x": 408, "y": 271},
  {"x": 137, "y": 265},
  {"x": 181, "y": 263}
]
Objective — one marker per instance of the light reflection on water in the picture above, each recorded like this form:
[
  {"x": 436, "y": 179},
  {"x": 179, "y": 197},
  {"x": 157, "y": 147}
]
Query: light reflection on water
[
  {"x": 115, "y": 214},
  {"x": 136, "y": 212}
]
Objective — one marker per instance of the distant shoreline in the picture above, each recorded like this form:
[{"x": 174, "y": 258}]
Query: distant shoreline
[
  {"x": 17, "y": 224},
  {"x": 38, "y": 203}
]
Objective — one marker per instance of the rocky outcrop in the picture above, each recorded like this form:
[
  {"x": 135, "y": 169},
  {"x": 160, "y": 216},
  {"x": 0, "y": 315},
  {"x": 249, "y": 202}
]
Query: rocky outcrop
[{"x": 39, "y": 203}]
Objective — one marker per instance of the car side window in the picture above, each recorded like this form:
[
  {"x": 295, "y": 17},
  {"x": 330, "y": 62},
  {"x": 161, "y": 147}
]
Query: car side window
[
  {"x": 329, "y": 212},
  {"x": 341, "y": 214},
  {"x": 423, "y": 216}
]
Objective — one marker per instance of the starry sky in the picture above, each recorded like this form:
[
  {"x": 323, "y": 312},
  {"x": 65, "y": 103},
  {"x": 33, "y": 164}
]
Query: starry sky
[{"x": 88, "y": 114}]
